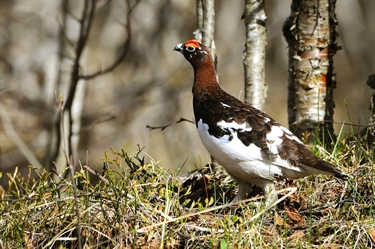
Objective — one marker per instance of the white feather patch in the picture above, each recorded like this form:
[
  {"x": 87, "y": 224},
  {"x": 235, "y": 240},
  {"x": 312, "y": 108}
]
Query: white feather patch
[
  {"x": 274, "y": 139},
  {"x": 267, "y": 119},
  {"x": 234, "y": 126},
  {"x": 247, "y": 162},
  {"x": 290, "y": 135},
  {"x": 225, "y": 105}
]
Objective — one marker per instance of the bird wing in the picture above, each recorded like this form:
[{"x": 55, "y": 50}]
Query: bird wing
[
  {"x": 278, "y": 145},
  {"x": 226, "y": 115}
]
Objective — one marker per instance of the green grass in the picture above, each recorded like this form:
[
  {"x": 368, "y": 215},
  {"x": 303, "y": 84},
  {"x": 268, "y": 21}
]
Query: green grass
[{"x": 139, "y": 204}]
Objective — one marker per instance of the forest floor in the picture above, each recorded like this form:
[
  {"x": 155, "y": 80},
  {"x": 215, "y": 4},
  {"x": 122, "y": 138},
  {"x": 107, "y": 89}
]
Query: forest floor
[{"x": 139, "y": 204}]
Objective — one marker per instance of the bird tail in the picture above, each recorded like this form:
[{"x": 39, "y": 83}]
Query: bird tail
[{"x": 329, "y": 169}]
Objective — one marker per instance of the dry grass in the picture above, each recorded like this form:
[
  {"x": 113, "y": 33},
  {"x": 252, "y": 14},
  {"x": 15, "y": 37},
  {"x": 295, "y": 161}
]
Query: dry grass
[{"x": 142, "y": 205}]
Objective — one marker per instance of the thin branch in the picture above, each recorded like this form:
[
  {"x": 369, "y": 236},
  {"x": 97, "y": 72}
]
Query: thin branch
[
  {"x": 78, "y": 212},
  {"x": 345, "y": 123},
  {"x": 69, "y": 161},
  {"x": 56, "y": 128},
  {"x": 95, "y": 173},
  {"x": 126, "y": 47},
  {"x": 13, "y": 135},
  {"x": 163, "y": 127},
  {"x": 86, "y": 23},
  {"x": 54, "y": 138},
  {"x": 96, "y": 122},
  {"x": 309, "y": 123},
  {"x": 289, "y": 191}
]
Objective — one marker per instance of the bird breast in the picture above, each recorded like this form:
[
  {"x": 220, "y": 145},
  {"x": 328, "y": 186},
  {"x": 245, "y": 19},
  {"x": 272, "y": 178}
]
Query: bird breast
[{"x": 241, "y": 161}]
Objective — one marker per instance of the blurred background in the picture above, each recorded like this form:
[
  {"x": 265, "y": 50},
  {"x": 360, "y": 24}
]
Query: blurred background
[{"x": 152, "y": 86}]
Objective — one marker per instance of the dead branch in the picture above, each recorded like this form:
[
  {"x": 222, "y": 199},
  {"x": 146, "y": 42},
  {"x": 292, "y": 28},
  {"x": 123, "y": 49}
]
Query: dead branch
[
  {"x": 125, "y": 46},
  {"x": 13, "y": 135},
  {"x": 85, "y": 26},
  {"x": 163, "y": 127},
  {"x": 85, "y": 21}
]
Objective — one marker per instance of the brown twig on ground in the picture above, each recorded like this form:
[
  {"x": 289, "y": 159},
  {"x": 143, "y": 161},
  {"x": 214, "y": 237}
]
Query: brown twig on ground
[{"x": 92, "y": 171}]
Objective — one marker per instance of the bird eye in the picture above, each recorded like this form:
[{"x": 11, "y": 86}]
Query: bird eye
[{"x": 190, "y": 48}]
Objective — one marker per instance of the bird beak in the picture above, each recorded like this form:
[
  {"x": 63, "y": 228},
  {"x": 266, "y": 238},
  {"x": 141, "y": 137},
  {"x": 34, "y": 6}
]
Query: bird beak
[{"x": 179, "y": 47}]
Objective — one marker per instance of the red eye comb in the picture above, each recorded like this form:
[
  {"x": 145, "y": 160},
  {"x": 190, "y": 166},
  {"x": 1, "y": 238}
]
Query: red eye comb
[{"x": 192, "y": 43}]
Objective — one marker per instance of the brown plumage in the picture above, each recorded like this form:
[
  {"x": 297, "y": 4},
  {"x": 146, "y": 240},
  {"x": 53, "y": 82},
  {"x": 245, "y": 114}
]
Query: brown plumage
[{"x": 249, "y": 144}]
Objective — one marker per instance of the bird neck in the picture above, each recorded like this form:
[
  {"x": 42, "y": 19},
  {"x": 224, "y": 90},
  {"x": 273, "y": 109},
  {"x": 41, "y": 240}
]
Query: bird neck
[{"x": 205, "y": 81}]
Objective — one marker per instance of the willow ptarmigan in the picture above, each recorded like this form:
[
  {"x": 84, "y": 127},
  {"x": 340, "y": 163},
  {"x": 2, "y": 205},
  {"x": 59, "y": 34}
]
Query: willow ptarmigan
[{"x": 249, "y": 144}]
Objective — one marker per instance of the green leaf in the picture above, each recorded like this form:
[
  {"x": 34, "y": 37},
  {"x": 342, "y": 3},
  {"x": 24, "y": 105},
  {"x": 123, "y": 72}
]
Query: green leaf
[{"x": 223, "y": 244}]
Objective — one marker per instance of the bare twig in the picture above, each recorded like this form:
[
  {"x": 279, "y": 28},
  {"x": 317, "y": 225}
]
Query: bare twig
[
  {"x": 289, "y": 191},
  {"x": 125, "y": 46},
  {"x": 54, "y": 137},
  {"x": 92, "y": 171},
  {"x": 78, "y": 212},
  {"x": 86, "y": 21},
  {"x": 163, "y": 127},
  {"x": 13, "y": 135},
  {"x": 97, "y": 121},
  {"x": 308, "y": 123},
  {"x": 345, "y": 123},
  {"x": 69, "y": 160}
]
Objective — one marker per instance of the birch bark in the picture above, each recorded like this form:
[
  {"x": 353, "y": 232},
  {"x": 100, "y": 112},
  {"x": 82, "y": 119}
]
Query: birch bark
[
  {"x": 254, "y": 55},
  {"x": 311, "y": 35},
  {"x": 206, "y": 25}
]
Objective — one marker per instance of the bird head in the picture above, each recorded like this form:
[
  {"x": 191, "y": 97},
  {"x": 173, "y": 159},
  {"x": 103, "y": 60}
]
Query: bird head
[{"x": 194, "y": 51}]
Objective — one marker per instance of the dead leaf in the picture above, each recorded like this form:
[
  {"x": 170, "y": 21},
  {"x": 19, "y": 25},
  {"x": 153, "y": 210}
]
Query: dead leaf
[
  {"x": 372, "y": 234},
  {"x": 280, "y": 221},
  {"x": 294, "y": 216},
  {"x": 299, "y": 234},
  {"x": 270, "y": 229}
]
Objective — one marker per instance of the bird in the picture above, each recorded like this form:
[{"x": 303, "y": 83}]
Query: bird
[{"x": 252, "y": 147}]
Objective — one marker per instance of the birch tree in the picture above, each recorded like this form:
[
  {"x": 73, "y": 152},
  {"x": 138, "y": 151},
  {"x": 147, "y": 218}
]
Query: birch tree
[
  {"x": 254, "y": 56},
  {"x": 206, "y": 25},
  {"x": 311, "y": 34}
]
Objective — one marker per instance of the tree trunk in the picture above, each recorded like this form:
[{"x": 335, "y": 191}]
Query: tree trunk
[
  {"x": 206, "y": 25},
  {"x": 311, "y": 35},
  {"x": 369, "y": 131},
  {"x": 255, "y": 53},
  {"x": 206, "y": 33}
]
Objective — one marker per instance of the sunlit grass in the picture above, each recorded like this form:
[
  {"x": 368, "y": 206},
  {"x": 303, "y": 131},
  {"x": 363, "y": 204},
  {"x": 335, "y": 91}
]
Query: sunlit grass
[{"x": 139, "y": 204}]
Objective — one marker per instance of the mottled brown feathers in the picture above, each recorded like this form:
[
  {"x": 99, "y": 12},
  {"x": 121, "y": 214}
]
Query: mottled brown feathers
[{"x": 249, "y": 144}]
